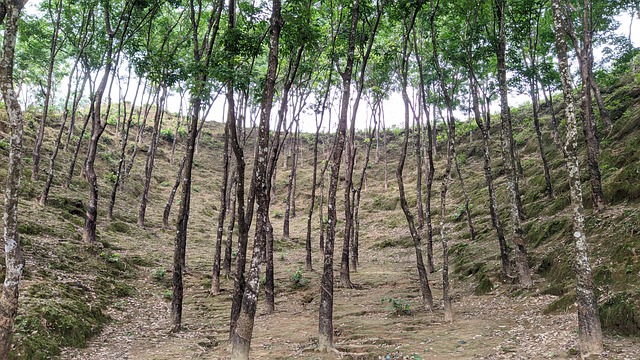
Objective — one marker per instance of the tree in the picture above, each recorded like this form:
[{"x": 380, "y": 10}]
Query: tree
[
  {"x": 202, "y": 50},
  {"x": 345, "y": 278},
  {"x": 241, "y": 339},
  {"x": 14, "y": 261},
  {"x": 517, "y": 214},
  {"x": 56, "y": 46},
  {"x": 407, "y": 25},
  {"x": 325, "y": 323},
  {"x": 585, "y": 60},
  {"x": 215, "y": 278},
  {"x": 589, "y": 329}
]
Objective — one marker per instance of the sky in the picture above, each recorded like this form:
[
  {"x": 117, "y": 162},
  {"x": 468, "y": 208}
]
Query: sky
[{"x": 393, "y": 106}]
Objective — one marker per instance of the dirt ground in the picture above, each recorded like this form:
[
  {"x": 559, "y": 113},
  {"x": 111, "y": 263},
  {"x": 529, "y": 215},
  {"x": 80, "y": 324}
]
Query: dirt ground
[{"x": 500, "y": 325}]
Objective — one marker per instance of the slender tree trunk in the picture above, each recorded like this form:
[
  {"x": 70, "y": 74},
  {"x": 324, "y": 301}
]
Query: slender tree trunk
[
  {"x": 446, "y": 179},
  {"x": 178, "y": 123},
  {"x": 202, "y": 54},
  {"x": 429, "y": 162},
  {"x": 151, "y": 158},
  {"x": 418, "y": 152},
  {"x": 536, "y": 123},
  {"x": 485, "y": 128},
  {"x": 345, "y": 278},
  {"x": 14, "y": 261},
  {"x": 355, "y": 243},
  {"x": 290, "y": 189},
  {"x": 585, "y": 55},
  {"x": 55, "y": 47},
  {"x": 74, "y": 158},
  {"x": 97, "y": 128},
  {"x": 228, "y": 245},
  {"x": 589, "y": 328},
  {"x": 140, "y": 132},
  {"x": 308, "y": 259},
  {"x": 172, "y": 194},
  {"x": 77, "y": 95},
  {"x": 604, "y": 113},
  {"x": 56, "y": 146},
  {"x": 325, "y": 323},
  {"x": 554, "y": 121},
  {"x": 215, "y": 278},
  {"x": 425, "y": 290},
  {"x": 241, "y": 339},
  {"x": 517, "y": 213},
  {"x": 123, "y": 153}
]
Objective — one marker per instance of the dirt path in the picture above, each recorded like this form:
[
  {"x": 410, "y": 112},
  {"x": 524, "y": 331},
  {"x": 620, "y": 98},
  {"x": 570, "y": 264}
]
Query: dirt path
[{"x": 493, "y": 326}]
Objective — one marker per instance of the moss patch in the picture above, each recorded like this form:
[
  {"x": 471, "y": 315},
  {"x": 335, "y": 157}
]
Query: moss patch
[
  {"x": 562, "y": 305},
  {"x": 621, "y": 315}
]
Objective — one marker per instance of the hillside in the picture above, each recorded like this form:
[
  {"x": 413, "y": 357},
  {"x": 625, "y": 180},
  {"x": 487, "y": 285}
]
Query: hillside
[{"x": 110, "y": 300}]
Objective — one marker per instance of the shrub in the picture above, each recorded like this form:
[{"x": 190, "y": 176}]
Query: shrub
[{"x": 398, "y": 306}]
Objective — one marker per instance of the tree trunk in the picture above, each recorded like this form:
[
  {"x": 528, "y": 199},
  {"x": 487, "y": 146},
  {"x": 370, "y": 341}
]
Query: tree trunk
[
  {"x": 215, "y": 278},
  {"x": 517, "y": 213},
  {"x": 151, "y": 158},
  {"x": 325, "y": 319},
  {"x": 589, "y": 328},
  {"x": 53, "y": 52},
  {"x": 77, "y": 95},
  {"x": 485, "y": 128},
  {"x": 355, "y": 241},
  {"x": 76, "y": 151},
  {"x": 14, "y": 261},
  {"x": 554, "y": 121},
  {"x": 241, "y": 339},
  {"x": 418, "y": 152},
  {"x": 175, "y": 134},
  {"x": 174, "y": 189},
  {"x": 202, "y": 55},
  {"x": 536, "y": 123},
  {"x": 97, "y": 128},
  {"x": 446, "y": 179},
  {"x": 290, "y": 189},
  {"x": 123, "y": 154},
  {"x": 140, "y": 132},
  {"x": 56, "y": 146},
  {"x": 228, "y": 245},
  {"x": 429, "y": 161},
  {"x": 585, "y": 55},
  {"x": 425, "y": 290}
]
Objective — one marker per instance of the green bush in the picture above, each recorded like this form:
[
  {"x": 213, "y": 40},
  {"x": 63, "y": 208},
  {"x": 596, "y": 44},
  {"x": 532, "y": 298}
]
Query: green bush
[{"x": 398, "y": 306}]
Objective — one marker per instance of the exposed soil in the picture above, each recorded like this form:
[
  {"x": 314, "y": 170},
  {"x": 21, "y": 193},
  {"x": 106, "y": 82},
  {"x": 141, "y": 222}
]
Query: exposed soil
[{"x": 504, "y": 324}]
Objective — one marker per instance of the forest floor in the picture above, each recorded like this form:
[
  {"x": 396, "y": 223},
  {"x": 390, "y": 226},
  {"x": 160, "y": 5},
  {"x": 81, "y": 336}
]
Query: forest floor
[{"x": 504, "y": 324}]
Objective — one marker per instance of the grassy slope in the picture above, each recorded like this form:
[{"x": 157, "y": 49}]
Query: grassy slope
[{"x": 71, "y": 289}]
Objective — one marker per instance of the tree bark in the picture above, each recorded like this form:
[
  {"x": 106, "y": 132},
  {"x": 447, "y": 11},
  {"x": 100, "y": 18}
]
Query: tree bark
[
  {"x": 241, "y": 339},
  {"x": 446, "y": 179},
  {"x": 429, "y": 159},
  {"x": 485, "y": 129},
  {"x": 345, "y": 277},
  {"x": 325, "y": 319},
  {"x": 202, "y": 55},
  {"x": 589, "y": 328},
  {"x": 123, "y": 153},
  {"x": 425, "y": 290},
  {"x": 215, "y": 278},
  {"x": 14, "y": 261},
  {"x": 228, "y": 245},
  {"x": 172, "y": 194},
  {"x": 151, "y": 158},
  {"x": 53, "y": 52},
  {"x": 56, "y": 147},
  {"x": 517, "y": 212}
]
